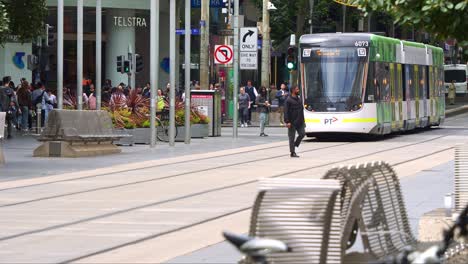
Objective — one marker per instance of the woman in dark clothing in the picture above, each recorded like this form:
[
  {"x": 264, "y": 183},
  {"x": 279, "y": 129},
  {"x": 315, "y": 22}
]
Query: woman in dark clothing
[
  {"x": 263, "y": 107},
  {"x": 244, "y": 105}
]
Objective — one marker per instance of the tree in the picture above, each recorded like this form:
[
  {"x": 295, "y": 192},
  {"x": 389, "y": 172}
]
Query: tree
[
  {"x": 23, "y": 19},
  {"x": 443, "y": 18}
]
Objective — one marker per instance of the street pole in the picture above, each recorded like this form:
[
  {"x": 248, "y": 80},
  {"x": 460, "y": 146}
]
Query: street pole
[
  {"x": 265, "y": 45},
  {"x": 98, "y": 53},
  {"x": 204, "y": 44},
  {"x": 154, "y": 69},
  {"x": 188, "y": 32},
  {"x": 172, "y": 70},
  {"x": 311, "y": 12},
  {"x": 344, "y": 18},
  {"x": 79, "y": 57},
  {"x": 235, "y": 90},
  {"x": 60, "y": 54}
]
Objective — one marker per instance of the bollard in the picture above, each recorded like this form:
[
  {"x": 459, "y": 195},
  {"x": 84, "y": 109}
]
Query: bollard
[
  {"x": 38, "y": 121},
  {"x": 448, "y": 204}
]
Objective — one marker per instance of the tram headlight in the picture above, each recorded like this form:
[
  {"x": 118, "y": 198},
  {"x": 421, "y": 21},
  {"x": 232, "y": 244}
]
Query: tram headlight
[
  {"x": 356, "y": 107},
  {"x": 308, "y": 107}
]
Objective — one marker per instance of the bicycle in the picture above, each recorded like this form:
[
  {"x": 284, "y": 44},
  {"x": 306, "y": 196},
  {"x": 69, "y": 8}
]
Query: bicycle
[
  {"x": 162, "y": 126},
  {"x": 255, "y": 249}
]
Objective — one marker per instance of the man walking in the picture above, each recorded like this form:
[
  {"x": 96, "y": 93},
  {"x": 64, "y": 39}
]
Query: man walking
[{"x": 294, "y": 119}]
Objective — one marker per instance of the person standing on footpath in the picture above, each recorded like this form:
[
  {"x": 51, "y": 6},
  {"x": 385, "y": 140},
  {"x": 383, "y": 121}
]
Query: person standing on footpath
[
  {"x": 252, "y": 92},
  {"x": 281, "y": 95},
  {"x": 452, "y": 91},
  {"x": 243, "y": 106},
  {"x": 294, "y": 119},
  {"x": 263, "y": 107}
]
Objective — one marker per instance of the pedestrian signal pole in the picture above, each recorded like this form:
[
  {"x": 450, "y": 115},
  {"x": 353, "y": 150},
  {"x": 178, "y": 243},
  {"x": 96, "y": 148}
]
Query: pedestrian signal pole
[{"x": 291, "y": 59}]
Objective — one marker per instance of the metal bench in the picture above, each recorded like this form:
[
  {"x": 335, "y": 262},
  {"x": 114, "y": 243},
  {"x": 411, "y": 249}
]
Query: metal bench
[
  {"x": 302, "y": 214},
  {"x": 72, "y": 133},
  {"x": 461, "y": 177},
  {"x": 2, "y": 136},
  {"x": 379, "y": 213}
]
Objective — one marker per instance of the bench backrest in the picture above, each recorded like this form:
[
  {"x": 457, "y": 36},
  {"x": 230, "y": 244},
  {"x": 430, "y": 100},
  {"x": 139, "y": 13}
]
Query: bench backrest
[
  {"x": 461, "y": 177},
  {"x": 302, "y": 214},
  {"x": 69, "y": 123},
  {"x": 382, "y": 217},
  {"x": 2, "y": 124}
]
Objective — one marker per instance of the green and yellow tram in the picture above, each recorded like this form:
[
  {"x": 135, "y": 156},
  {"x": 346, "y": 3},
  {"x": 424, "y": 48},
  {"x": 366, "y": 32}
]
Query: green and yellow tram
[{"x": 369, "y": 84}]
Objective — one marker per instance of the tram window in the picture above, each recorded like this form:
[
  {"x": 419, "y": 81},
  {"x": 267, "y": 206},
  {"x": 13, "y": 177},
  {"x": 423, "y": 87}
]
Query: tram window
[
  {"x": 422, "y": 81},
  {"x": 397, "y": 81},
  {"x": 381, "y": 81},
  {"x": 426, "y": 81},
  {"x": 409, "y": 85},
  {"x": 370, "y": 90}
]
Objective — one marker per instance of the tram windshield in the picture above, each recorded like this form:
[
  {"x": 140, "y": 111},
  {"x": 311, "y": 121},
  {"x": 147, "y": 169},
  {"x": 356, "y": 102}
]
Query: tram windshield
[{"x": 333, "y": 79}]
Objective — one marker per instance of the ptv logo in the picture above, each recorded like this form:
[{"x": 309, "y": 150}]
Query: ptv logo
[{"x": 329, "y": 121}]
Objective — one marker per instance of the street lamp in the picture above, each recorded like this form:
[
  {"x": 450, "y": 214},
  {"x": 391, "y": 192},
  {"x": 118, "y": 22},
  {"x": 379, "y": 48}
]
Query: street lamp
[{"x": 267, "y": 6}]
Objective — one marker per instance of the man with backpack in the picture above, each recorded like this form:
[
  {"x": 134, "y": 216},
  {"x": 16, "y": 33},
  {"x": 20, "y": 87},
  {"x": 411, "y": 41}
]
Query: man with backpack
[
  {"x": 8, "y": 103},
  {"x": 39, "y": 100}
]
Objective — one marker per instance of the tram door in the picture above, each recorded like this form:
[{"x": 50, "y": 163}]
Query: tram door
[
  {"x": 423, "y": 87},
  {"x": 394, "y": 96},
  {"x": 408, "y": 91}
]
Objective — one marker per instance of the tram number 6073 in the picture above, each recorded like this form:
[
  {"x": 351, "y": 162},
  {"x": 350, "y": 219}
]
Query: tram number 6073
[{"x": 361, "y": 43}]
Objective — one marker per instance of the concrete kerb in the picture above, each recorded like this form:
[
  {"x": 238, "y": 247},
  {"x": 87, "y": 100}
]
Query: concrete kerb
[{"x": 456, "y": 111}]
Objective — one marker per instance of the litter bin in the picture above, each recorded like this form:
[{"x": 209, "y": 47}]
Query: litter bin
[{"x": 208, "y": 102}]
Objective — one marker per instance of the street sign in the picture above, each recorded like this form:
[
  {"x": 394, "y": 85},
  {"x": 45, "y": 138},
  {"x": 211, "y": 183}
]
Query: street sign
[
  {"x": 248, "y": 60},
  {"x": 223, "y": 54},
  {"x": 248, "y": 39},
  {"x": 226, "y": 32},
  {"x": 193, "y": 31}
]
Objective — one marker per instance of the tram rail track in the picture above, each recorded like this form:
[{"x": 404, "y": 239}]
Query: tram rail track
[
  {"x": 179, "y": 198},
  {"x": 227, "y": 214},
  {"x": 182, "y": 174},
  {"x": 166, "y": 164}
]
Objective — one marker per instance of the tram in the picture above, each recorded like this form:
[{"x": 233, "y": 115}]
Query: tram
[{"x": 363, "y": 83}]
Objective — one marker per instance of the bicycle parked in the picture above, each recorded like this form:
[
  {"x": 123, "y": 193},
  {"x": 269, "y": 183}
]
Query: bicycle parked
[
  {"x": 162, "y": 125},
  {"x": 257, "y": 249}
]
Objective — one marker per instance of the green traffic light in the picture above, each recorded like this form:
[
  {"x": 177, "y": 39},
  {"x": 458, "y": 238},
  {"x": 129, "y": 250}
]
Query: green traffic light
[{"x": 290, "y": 65}]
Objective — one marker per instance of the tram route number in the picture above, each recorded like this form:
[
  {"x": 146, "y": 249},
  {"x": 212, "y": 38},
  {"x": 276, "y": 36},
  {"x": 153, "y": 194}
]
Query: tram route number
[{"x": 361, "y": 43}]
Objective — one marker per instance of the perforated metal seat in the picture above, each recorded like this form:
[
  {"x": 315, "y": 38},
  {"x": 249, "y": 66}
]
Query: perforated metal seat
[
  {"x": 302, "y": 214},
  {"x": 461, "y": 177},
  {"x": 381, "y": 214}
]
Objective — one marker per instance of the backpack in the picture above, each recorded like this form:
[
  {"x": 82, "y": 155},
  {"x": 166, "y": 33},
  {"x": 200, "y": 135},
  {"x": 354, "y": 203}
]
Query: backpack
[{"x": 38, "y": 100}]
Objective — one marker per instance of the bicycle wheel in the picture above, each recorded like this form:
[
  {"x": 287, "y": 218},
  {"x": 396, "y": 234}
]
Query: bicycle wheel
[{"x": 162, "y": 131}]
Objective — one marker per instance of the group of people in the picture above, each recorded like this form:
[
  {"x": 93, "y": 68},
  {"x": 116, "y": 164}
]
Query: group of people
[
  {"x": 290, "y": 109},
  {"x": 24, "y": 102}
]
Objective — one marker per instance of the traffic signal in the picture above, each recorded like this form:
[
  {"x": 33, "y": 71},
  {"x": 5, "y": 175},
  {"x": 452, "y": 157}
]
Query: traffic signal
[
  {"x": 126, "y": 67},
  {"x": 139, "y": 63},
  {"x": 120, "y": 64},
  {"x": 50, "y": 36},
  {"x": 291, "y": 58}
]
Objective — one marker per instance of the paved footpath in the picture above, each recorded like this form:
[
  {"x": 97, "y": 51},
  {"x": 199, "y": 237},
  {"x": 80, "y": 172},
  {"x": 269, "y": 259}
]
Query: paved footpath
[{"x": 20, "y": 163}]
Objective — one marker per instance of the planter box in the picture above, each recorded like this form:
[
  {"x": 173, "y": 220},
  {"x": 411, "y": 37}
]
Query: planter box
[
  {"x": 142, "y": 135},
  {"x": 126, "y": 141},
  {"x": 197, "y": 131}
]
